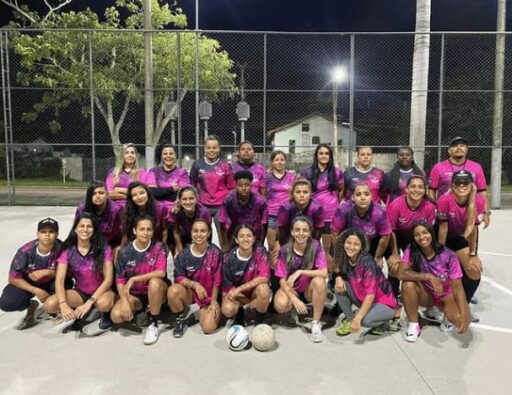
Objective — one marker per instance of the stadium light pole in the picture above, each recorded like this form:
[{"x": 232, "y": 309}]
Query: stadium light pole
[{"x": 339, "y": 75}]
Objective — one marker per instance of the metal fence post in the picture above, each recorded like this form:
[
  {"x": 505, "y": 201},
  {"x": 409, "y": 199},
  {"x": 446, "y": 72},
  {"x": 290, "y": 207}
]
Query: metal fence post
[
  {"x": 440, "y": 109},
  {"x": 178, "y": 102},
  {"x": 197, "y": 93},
  {"x": 351, "y": 142},
  {"x": 91, "y": 98},
  {"x": 6, "y": 117},
  {"x": 264, "y": 93}
]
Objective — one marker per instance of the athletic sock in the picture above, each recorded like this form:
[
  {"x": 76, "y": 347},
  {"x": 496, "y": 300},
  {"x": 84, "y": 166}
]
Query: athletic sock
[
  {"x": 470, "y": 286},
  {"x": 153, "y": 319}
]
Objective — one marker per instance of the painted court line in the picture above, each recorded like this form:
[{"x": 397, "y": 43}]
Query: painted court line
[
  {"x": 491, "y": 328},
  {"x": 496, "y": 285},
  {"x": 494, "y": 253}
]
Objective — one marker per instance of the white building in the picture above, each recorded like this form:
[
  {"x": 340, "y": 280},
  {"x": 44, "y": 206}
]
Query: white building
[{"x": 303, "y": 135}]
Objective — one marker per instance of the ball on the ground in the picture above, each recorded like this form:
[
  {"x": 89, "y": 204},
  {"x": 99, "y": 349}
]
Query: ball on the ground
[
  {"x": 237, "y": 338},
  {"x": 263, "y": 337}
]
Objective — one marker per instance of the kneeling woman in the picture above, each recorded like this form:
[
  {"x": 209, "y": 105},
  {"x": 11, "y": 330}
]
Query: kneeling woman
[
  {"x": 302, "y": 268},
  {"x": 140, "y": 277},
  {"x": 431, "y": 275},
  {"x": 245, "y": 276},
  {"x": 197, "y": 272},
  {"x": 360, "y": 281},
  {"x": 87, "y": 259}
]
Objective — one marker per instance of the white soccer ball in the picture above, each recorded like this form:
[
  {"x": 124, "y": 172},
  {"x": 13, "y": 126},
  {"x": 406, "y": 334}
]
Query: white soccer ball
[
  {"x": 263, "y": 337},
  {"x": 237, "y": 338}
]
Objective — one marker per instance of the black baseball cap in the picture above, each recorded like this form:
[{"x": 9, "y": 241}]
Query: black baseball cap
[
  {"x": 458, "y": 139},
  {"x": 48, "y": 223},
  {"x": 462, "y": 175}
]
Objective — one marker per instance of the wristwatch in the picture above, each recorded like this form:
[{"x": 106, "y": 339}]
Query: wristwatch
[{"x": 92, "y": 299}]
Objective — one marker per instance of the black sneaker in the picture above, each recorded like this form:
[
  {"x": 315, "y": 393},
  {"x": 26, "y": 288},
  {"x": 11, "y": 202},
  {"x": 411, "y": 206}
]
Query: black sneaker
[
  {"x": 181, "y": 326},
  {"x": 240, "y": 317},
  {"x": 259, "y": 318},
  {"x": 105, "y": 322}
]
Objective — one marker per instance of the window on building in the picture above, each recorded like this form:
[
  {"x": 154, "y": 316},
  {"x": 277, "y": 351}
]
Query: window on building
[
  {"x": 305, "y": 127},
  {"x": 315, "y": 140},
  {"x": 291, "y": 146}
]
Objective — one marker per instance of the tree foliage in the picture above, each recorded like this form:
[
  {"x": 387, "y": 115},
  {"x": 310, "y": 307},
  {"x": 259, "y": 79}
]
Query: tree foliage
[{"x": 57, "y": 58}]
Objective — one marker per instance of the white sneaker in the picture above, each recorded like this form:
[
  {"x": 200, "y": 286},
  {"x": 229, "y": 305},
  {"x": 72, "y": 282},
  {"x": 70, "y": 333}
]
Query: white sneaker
[
  {"x": 316, "y": 332},
  {"x": 151, "y": 335},
  {"x": 474, "y": 317},
  {"x": 434, "y": 314},
  {"x": 63, "y": 326},
  {"x": 413, "y": 332},
  {"x": 446, "y": 326}
]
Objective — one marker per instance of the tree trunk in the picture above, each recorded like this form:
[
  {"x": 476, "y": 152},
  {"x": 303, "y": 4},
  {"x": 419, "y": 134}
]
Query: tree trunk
[{"x": 420, "y": 81}]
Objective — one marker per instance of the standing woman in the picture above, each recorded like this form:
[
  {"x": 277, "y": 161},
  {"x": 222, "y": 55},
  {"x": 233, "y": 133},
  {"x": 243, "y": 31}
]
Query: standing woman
[
  {"x": 301, "y": 204},
  {"x": 245, "y": 276},
  {"x": 369, "y": 217},
  {"x": 107, "y": 213},
  {"x": 212, "y": 176},
  {"x": 126, "y": 171},
  {"x": 139, "y": 203},
  {"x": 302, "y": 269},
  {"x": 246, "y": 162},
  {"x": 87, "y": 259},
  {"x": 459, "y": 212},
  {"x": 327, "y": 183},
  {"x": 198, "y": 276},
  {"x": 364, "y": 172},
  {"x": 167, "y": 177},
  {"x": 395, "y": 180},
  {"x": 182, "y": 216},
  {"x": 431, "y": 276},
  {"x": 359, "y": 281},
  {"x": 141, "y": 278}
]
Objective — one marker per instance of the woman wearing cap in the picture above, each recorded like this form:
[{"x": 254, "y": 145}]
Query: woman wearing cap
[
  {"x": 126, "y": 171},
  {"x": 459, "y": 212},
  {"x": 430, "y": 275},
  {"x": 32, "y": 273}
]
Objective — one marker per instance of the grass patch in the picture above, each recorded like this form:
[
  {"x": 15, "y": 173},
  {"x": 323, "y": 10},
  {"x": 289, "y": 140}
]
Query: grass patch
[{"x": 45, "y": 183}]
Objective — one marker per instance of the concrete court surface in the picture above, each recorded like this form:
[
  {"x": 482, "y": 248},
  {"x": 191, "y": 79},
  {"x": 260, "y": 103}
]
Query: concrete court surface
[{"x": 37, "y": 362}]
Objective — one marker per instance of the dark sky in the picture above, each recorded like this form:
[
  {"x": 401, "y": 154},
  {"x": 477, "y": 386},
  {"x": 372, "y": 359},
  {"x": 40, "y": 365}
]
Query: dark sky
[{"x": 324, "y": 15}]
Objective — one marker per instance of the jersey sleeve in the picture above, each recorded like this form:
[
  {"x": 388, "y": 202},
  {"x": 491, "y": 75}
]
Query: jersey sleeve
[
  {"x": 18, "y": 264},
  {"x": 179, "y": 267},
  {"x": 109, "y": 181},
  {"x": 454, "y": 269},
  {"x": 433, "y": 179},
  {"x": 338, "y": 221},
  {"x": 443, "y": 206},
  {"x": 161, "y": 259},
  {"x": 406, "y": 257},
  {"x": 281, "y": 269}
]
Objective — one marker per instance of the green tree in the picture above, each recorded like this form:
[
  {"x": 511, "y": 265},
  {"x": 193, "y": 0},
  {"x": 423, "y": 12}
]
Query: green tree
[{"x": 59, "y": 61}]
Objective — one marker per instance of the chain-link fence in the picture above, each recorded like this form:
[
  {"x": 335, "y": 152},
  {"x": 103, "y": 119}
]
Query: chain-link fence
[{"x": 71, "y": 97}]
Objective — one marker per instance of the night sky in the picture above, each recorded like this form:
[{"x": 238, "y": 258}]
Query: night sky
[{"x": 325, "y": 15}]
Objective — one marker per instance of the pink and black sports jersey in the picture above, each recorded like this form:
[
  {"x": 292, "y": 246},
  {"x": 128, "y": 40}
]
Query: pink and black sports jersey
[
  {"x": 177, "y": 177},
  {"x": 28, "y": 260},
  {"x": 445, "y": 266},
  {"x": 373, "y": 223},
  {"x": 81, "y": 268},
  {"x": 449, "y": 210},
  {"x": 125, "y": 178},
  {"x": 237, "y": 270},
  {"x": 232, "y": 213},
  {"x": 278, "y": 190},
  {"x": 185, "y": 222},
  {"x": 283, "y": 271},
  {"x": 133, "y": 262},
  {"x": 327, "y": 198},
  {"x": 257, "y": 170},
  {"x": 110, "y": 221},
  {"x": 204, "y": 269},
  {"x": 388, "y": 196},
  {"x": 402, "y": 217},
  {"x": 373, "y": 178},
  {"x": 440, "y": 178},
  {"x": 366, "y": 278},
  {"x": 160, "y": 217},
  {"x": 288, "y": 212},
  {"x": 213, "y": 181}
]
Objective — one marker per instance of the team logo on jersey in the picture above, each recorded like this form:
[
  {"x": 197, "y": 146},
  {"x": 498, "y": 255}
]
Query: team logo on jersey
[
  {"x": 402, "y": 220},
  {"x": 220, "y": 172}
]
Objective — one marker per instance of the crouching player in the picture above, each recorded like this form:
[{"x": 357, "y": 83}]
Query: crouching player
[
  {"x": 141, "y": 278},
  {"x": 32, "y": 273},
  {"x": 245, "y": 276}
]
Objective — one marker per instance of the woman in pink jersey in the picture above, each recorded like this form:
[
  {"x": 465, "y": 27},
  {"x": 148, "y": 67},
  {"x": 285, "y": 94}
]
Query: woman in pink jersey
[
  {"x": 459, "y": 212},
  {"x": 431, "y": 276},
  {"x": 246, "y": 162},
  {"x": 141, "y": 278},
  {"x": 167, "y": 177},
  {"x": 126, "y": 171},
  {"x": 87, "y": 259},
  {"x": 245, "y": 276},
  {"x": 108, "y": 213},
  {"x": 360, "y": 282},
  {"x": 302, "y": 269},
  {"x": 364, "y": 172},
  {"x": 327, "y": 183},
  {"x": 198, "y": 276},
  {"x": 182, "y": 216},
  {"x": 140, "y": 202},
  {"x": 278, "y": 184}
]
